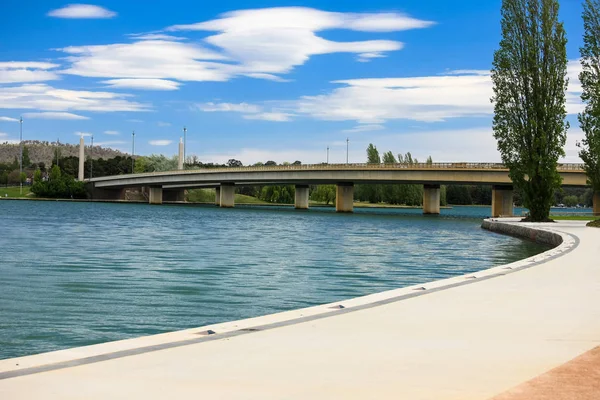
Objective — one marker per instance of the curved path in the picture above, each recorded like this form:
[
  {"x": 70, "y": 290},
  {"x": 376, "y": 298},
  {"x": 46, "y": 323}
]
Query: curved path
[{"x": 468, "y": 337}]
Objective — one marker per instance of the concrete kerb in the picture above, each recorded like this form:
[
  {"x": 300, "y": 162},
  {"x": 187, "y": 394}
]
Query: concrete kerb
[{"x": 33, "y": 364}]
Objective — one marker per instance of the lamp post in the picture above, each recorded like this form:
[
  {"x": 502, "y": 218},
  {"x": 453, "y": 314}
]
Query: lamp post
[
  {"x": 92, "y": 159},
  {"x": 21, "y": 158},
  {"x": 347, "y": 144},
  {"x": 184, "y": 144},
  {"x": 327, "y": 154},
  {"x": 132, "y": 151}
]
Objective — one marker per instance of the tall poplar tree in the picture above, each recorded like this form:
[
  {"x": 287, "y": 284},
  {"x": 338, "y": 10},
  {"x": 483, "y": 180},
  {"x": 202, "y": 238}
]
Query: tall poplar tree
[
  {"x": 589, "y": 119},
  {"x": 529, "y": 78}
]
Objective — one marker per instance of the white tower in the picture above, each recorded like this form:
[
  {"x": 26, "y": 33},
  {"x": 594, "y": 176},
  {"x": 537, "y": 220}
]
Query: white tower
[{"x": 81, "y": 158}]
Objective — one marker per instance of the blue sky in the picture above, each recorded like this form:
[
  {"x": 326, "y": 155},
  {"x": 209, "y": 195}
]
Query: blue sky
[{"x": 261, "y": 80}]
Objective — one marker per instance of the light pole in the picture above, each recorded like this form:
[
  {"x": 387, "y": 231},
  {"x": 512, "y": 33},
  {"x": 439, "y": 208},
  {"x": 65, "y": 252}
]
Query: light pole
[
  {"x": 57, "y": 144},
  {"x": 132, "y": 151},
  {"x": 347, "y": 144},
  {"x": 327, "y": 154},
  {"x": 92, "y": 158},
  {"x": 184, "y": 144},
  {"x": 21, "y": 158}
]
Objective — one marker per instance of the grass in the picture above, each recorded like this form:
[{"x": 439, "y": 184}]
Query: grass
[
  {"x": 14, "y": 192},
  {"x": 594, "y": 224},
  {"x": 243, "y": 199}
]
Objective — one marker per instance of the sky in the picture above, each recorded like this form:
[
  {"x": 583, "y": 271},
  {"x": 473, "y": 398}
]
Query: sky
[{"x": 262, "y": 80}]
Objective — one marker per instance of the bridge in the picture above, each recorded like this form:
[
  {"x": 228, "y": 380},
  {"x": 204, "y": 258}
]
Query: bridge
[{"x": 170, "y": 186}]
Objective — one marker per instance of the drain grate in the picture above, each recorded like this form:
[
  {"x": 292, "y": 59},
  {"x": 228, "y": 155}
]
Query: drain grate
[{"x": 250, "y": 330}]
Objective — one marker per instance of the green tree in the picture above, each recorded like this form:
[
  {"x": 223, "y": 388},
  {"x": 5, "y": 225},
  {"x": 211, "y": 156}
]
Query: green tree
[
  {"x": 4, "y": 178},
  {"x": 26, "y": 159},
  {"x": 37, "y": 176},
  {"x": 371, "y": 193},
  {"x": 373, "y": 155},
  {"x": 55, "y": 173},
  {"x": 571, "y": 201},
  {"x": 323, "y": 194},
  {"x": 529, "y": 79},
  {"x": 459, "y": 195},
  {"x": 22, "y": 177},
  {"x": 14, "y": 176},
  {"x": 388, "y": 158},
  {"x": 589, "y": 119}
]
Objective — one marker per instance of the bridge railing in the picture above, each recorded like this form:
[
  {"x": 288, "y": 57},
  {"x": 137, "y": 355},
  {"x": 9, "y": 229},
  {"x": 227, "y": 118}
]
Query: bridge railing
[{"x": 414, "y": 166}]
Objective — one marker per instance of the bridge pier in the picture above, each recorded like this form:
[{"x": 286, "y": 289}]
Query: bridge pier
[
  {"x": 502, "y": 201},
  {"x": 227, "y": 195},
  {"x": 155, "y": 195},
  {"x": 301, "y": 197},
  {"x": 596, "y": 203},
  {"x": 431, "y": 199},
  {"x": 217, "y": 196},
  {"x": 344, "y": 197}
]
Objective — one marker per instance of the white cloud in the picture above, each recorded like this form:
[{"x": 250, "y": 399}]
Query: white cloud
[
  {"x": 44, "y": 97},
  {"x": 364, "y": 128},
  {"x": 55, "y": 115},
  {"x": 160, "y": 142},
  {"x": 270, "y": 116},
  {"x": 163, "y": 124},
  {"x": 260, "y": 43},
  {"x": 148, "y": 59},
  {"x": 154, "y": 36},
  {"x": 142, "y": 84},
  {"x": 432, "y": 98},
  {"x": 9, "y": 119},
  {"x": 229, "y": 107},
  {"x": 27, "y": 71},
  {"x": 366, "y": 57},
  {"x": 137, "y": 121},
  {"x": 249, "y": 111},
  {"x": 269, "y": 77},
  {"x": 303, "y": 18},
  {"x": 111, "y": 132},
  {"x": 463, "y": 93},
  {"x": 83, "y": 134},
  {"x": 82, "y": 11}
]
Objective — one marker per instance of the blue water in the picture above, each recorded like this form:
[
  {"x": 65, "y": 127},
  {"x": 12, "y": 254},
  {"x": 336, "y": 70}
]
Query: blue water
[{"x": 74, "y": 274}]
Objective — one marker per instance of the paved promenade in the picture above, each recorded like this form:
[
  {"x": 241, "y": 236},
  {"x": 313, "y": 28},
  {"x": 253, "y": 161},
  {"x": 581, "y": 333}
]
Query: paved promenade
[{"x": 470, "y": 337}]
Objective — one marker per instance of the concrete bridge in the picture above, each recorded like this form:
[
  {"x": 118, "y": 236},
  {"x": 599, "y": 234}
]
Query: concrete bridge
[{"x": 170, "y": 186}]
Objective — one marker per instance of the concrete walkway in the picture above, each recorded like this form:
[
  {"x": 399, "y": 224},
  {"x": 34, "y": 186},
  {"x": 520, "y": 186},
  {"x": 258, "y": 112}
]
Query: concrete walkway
[{"x": 470, "y": 337}]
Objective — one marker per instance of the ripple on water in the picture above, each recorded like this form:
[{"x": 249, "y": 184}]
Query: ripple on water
[{"x": 75, "y": 274}]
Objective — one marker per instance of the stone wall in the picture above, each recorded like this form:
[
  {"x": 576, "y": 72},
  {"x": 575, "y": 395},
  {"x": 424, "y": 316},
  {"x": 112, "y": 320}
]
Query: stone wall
[{"x": 524, "y": 231}]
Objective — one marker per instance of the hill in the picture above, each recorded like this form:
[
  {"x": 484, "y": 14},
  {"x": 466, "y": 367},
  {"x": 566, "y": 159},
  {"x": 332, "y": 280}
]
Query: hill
[{"x": 46, "y": 151}]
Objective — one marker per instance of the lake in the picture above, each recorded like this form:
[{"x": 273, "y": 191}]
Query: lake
[{"x": 74, "y": 274}]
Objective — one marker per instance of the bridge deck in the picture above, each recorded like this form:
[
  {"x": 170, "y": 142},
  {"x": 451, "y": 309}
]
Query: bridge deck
[{"x": 436, "y": 173}]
